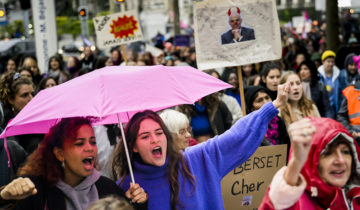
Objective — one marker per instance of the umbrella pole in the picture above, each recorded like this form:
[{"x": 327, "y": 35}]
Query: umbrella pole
[{"x": 126, "y": 150}]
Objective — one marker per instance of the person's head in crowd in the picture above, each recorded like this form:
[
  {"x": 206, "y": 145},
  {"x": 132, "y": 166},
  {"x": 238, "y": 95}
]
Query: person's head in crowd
[
  {"x": 248, "y": 70},
  {"x": 31, "y": 62},
  {"x": 179, "y": 127},
  {"x": 45, "y": 83},
  {"x": 307, "y": 71},
  {"x": 55, "y": 63},
  {"x": 15, "y": 92},
  {"x": 213, "y": 73},
  {"x": 316, "y": 58},
  {"x": 230, "y": 76},
  {"x": 256, "y": 97},
  {"x": 11, "y": 65},
  {"x": 68, "y": 152},
  {"x": 349, "y": 64},
  {"x": 149, "y": 59},
  {"x": 169, "y": 61},
  {"x": 111, "y": 202},
  {"x": 103, "y": 61},
  {"x": 300, "y": 57},
  {"x": 26, "y": 72},
  {"x": 131, "y": 55},
  {"x": 87, "y": 51},
  {"x": 160, "y": 58},
  {"x": 270, "y": 76},
  {"x": 116, "y": 56},
  {"x": 148, "y": 125},
  {"x": 73, "y": 64},
  {"x": 328, "y": 60}
]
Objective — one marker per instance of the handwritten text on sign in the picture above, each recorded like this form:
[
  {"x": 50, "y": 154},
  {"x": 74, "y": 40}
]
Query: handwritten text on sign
[{"x": 245, "y": 186}]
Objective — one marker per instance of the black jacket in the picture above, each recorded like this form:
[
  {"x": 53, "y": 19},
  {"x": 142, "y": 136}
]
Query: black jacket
[
  {"x": 54, "y": 198},
  {"x": 320, "y": 97}
]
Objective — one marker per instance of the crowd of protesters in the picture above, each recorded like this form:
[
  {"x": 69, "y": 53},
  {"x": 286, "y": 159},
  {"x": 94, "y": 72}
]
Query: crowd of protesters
[{"x": 318, "y": 84}]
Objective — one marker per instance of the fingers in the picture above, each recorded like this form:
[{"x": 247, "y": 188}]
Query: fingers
[
  {"x": 18, "y": 189},
  {"x": 301, "y": 131},
  {"x": 137, "y": 194}
]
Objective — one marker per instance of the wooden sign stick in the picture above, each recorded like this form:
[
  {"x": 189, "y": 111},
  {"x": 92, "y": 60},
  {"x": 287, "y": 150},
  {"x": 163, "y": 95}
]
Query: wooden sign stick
[
  {"x": 241, "y": 87},
  {"x": 124, "y": 54}
]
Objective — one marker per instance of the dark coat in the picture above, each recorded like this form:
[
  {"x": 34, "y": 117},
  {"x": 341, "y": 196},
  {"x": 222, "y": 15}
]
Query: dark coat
[
  {"x": 246, "y": 33},
  {"x": 54, "y": 198},
  {"x": 320, "y": 97},
  {"x": 17, "y": 157}
]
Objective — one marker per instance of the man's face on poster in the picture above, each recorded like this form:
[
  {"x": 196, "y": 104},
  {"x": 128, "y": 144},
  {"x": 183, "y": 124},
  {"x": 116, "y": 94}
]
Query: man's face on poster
[{"x": 235, "y": 21}]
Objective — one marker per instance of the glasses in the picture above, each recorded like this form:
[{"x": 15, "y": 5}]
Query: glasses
[{"x": 184, "y": 130}]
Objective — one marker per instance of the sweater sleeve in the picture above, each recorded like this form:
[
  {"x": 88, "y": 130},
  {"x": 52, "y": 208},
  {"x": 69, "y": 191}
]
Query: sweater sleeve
[
  {"x": 282, "y": 195},
  {"x": 229, "y": 150}
]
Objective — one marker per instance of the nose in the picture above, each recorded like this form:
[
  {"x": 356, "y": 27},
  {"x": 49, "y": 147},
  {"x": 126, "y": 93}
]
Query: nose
[
  {"x": 154, "y": 139},
  {"x": 89, "y": 147},
  {"x": 340, "y": 159}
]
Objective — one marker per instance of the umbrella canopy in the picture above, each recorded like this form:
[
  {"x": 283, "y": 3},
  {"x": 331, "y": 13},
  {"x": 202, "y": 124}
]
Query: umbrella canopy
[{"x": 109, "y": 91}]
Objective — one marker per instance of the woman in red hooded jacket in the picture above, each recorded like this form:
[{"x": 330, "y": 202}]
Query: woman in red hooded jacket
[{"x": 323, "y": 171}]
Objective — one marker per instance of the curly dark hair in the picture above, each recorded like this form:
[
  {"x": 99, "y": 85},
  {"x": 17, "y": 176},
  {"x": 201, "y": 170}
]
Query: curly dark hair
[
  {"x": 42, "y": 162},
  {"x": 9, "y": 86},
  {"x": 176, "y": 159}
]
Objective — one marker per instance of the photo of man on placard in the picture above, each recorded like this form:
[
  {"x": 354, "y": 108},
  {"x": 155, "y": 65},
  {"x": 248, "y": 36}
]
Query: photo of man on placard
[{"x": 237, "y": 33}]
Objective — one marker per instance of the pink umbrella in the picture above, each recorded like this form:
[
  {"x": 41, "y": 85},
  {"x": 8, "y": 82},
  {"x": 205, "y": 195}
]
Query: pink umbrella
[{"x": 113, "y": 94}]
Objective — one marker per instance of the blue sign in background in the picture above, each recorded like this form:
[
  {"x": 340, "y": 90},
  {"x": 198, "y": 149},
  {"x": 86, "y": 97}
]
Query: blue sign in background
[{"x": 182, "y": 40}]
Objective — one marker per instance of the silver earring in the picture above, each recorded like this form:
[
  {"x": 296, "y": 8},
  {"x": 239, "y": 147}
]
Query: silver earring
[{"x": 63, "y": 164}]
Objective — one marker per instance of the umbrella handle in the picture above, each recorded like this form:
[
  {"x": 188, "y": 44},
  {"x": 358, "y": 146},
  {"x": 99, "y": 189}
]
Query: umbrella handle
[{"x": 126, "y": 150}]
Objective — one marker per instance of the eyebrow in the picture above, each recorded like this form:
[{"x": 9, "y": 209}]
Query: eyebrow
[
  {"x": 83, "y": 139},
  {"x": 147, "y": 132}
]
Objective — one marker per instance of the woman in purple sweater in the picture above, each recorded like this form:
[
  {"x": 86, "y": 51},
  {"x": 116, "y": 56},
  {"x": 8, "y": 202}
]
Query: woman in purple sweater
[{"x": 189, "y": 179}]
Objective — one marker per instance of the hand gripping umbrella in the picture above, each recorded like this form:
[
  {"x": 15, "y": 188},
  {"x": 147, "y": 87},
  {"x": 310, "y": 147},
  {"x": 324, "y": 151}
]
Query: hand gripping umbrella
[{"x": 112, "y": 95}]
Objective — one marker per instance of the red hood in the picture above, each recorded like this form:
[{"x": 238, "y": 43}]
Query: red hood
[{"x": 326, "y": 130}]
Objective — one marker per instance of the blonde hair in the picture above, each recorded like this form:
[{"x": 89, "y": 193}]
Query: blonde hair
[
  {"x": 305, "y": 105},
  {"x": 111, "y": 202}
]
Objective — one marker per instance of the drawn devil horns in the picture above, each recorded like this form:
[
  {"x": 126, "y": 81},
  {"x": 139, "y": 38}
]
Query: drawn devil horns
[{"x": 237, "y": 10}]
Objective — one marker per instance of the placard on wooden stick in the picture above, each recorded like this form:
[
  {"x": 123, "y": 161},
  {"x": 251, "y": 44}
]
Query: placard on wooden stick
[
  {"x": 246, "y": 185},
  {"x": 117, "y": 29},
  {"x": 216, "y": 44}
]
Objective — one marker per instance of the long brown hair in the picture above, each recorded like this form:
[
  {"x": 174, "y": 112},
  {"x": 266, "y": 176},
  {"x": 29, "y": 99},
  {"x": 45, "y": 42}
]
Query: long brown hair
[
  {"x": 42, "y": 162},
  {"x": 305, "y": 105},
  {"x": 120, "y": 166}
]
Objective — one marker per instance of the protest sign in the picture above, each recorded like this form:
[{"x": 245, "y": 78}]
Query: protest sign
[
  {"x": 245, "y": 186},
  {"x": 258, "y": 40},
  {"x": 117, "y": 29},
  {"x": 181, "y": 40}
]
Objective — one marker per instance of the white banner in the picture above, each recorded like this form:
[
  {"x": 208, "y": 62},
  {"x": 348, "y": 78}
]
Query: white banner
[
  {"x": 257, "y": 40},
  {"x": 117, "y": 29},
  {"x": 45, "y": 31}
]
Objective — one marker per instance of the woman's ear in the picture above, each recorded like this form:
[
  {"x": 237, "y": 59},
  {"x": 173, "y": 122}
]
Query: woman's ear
[
  {"x": 59, "y": 154},
  {"x": 135, "y": 149},
  {"x": 11, "y": 101},
  {"x": 263, "y": 79}
]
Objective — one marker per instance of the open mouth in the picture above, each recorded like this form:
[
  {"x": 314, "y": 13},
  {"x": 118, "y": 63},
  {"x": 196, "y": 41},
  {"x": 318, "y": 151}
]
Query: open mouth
[
  {"x": 337, "y": 173},
  {"x": 89, "y": 162},
  {"x": 157, "y": 151}
]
